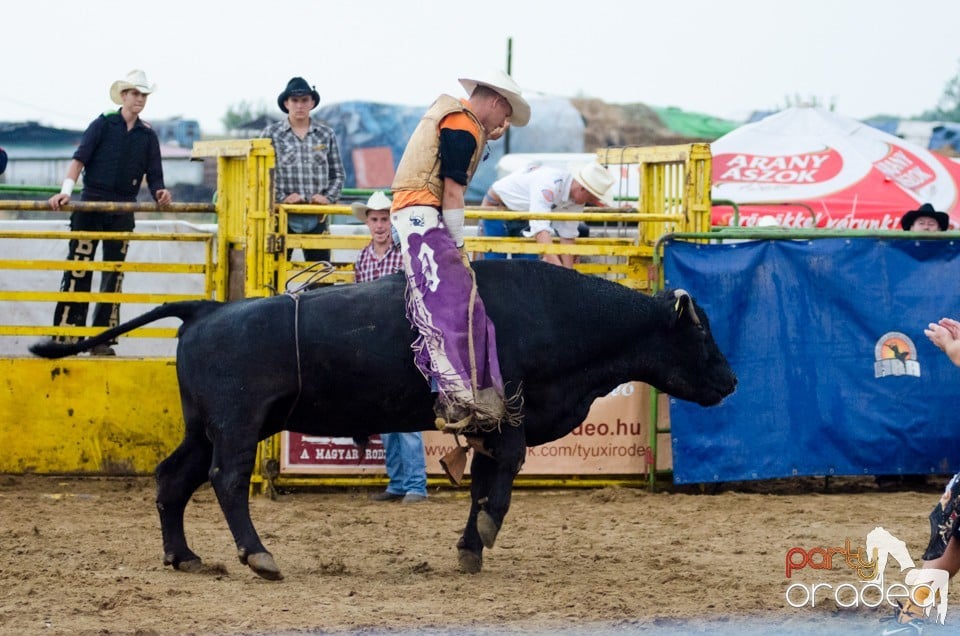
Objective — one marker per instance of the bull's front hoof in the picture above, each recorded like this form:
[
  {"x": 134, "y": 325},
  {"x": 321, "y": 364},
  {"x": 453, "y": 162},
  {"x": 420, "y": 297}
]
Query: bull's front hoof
[
  {"x": 487, "y": 528},
  {"x": 470, "y": 562},
  {"x": 263, "y": 564},
  {"x": 193, "y": 564}
]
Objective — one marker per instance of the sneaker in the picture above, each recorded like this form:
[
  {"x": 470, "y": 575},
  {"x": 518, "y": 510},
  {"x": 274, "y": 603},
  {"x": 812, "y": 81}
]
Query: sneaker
[
  {"x": 412, "y": 497},
  {"x": 102, "y": 350},
  {"x": 907, "y": 621},
  {"x": 386, "y": 496}
]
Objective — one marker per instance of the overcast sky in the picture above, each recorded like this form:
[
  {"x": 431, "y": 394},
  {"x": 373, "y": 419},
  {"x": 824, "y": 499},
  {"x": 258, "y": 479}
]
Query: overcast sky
[{"x": 725, "y": 57}]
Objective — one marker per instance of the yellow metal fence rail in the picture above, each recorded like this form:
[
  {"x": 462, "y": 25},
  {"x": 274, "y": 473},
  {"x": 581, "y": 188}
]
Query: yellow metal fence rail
[{"x": 205, "y": 269}]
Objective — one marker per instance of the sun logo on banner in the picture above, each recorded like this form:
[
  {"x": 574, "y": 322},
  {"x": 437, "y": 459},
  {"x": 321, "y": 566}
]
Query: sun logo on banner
[{"x": 895, "y": 354}]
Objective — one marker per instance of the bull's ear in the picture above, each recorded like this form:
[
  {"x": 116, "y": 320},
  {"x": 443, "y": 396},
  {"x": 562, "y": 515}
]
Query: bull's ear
[{"x": 683, "y": 308}]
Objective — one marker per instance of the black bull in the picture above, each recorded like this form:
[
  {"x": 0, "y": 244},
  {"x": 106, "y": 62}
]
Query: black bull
[{"x": 337, "y": 362}]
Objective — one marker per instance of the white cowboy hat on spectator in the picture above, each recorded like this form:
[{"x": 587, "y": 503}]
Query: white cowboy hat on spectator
[
  {"x": 597, "y": 180},
  {"x": 377, "y": 201},
  {"x": 135, "y": 79},
  {"x": 505, "y": 86}
]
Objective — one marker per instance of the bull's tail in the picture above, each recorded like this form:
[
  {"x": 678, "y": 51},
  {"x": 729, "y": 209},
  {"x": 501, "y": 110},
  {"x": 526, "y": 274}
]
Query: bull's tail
[{"x": 184, "y": 310}]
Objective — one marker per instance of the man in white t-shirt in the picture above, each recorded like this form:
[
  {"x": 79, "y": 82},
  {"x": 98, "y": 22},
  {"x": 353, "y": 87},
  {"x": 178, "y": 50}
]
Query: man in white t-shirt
[{"x": 545, "y": 189}]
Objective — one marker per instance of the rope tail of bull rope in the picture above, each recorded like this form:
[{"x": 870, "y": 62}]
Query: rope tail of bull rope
[
  {"x": 295, "y": 297},
  {"x": 517, "y": 400},
  {"x": 315, "y": 272},
  {"x": 470, "y": 315}
]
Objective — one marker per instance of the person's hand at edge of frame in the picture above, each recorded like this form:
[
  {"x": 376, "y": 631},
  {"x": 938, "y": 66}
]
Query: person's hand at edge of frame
[{"x": 163, "y": 198}]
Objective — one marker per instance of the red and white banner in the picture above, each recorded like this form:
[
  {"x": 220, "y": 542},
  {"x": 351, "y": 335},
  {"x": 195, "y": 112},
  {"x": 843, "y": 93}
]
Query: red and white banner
[{"x": 808, "y": 167}]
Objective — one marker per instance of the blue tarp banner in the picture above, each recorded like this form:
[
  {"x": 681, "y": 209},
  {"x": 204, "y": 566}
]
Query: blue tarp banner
[{"x": 835, "y": 374}]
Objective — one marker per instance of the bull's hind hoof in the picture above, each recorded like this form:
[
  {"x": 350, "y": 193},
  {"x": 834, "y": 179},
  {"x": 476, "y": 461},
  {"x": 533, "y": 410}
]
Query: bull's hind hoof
[
  {"x": 487, "y": 528},
  {"x": 470, "y": 562},
  {"x": 263, "y": 564},
  {"x": 186, "y": 565}
]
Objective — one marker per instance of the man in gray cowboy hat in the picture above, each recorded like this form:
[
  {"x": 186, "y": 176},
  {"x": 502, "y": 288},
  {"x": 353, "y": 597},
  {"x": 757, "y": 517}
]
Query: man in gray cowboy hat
[
  {"x": 925, "y": 219},
  {"x": 309, "y": 168},
  {"x": 116, "y": 151},
  {"x": 455, "y": 349}
]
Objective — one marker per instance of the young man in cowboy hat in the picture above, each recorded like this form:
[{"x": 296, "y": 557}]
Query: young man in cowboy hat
[
  {"x": 404, "y": 456},
  {"x": 309, "y": 168},
  {"x": 115, "y": 152},
  {"x": 545, "y": 189},
  {"x": 456, "y": 340},
  {"x": 925, "y": 219},
  {"x": 381, "y": 256}
]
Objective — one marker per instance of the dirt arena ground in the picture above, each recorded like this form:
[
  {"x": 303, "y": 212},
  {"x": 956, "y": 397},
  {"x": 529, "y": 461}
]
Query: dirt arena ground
[{"x": 83, "y": 556}]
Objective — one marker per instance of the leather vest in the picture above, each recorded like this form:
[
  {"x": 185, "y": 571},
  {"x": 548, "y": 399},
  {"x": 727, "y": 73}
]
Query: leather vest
[{"x": 419, "y": 167}]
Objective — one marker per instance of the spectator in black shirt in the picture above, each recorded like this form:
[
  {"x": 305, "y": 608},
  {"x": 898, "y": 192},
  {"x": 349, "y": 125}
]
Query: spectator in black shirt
[{"x": 115, "y": 153}]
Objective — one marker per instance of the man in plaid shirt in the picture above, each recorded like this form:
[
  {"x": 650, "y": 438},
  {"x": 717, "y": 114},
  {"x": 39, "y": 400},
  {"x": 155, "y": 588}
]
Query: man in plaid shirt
[
  {"x": 404, "y": 456},
  {"x": 382, "y": 255},
  {"x": 309, "y": 168}
]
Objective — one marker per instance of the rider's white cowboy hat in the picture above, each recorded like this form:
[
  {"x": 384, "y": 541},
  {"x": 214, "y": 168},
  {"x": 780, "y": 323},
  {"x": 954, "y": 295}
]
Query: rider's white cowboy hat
[
  {"x": 135, "y": 79},
  {"x": 504, "y": 85},
  {"x": 597, "y": 180},
  {"x": 377, "y": 201}
]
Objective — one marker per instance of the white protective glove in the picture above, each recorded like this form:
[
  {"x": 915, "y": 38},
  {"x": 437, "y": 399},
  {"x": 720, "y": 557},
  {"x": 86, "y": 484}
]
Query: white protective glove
[{"x": 453, "y": 220}]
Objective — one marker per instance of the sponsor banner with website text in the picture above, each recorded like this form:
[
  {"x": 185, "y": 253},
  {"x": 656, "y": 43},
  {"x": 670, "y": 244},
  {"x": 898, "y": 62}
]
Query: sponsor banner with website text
[{"x": 614, "y": 439}]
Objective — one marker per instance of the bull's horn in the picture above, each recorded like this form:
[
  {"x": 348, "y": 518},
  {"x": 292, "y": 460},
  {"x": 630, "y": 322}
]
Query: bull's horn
[{"x": 683, "y": 297}]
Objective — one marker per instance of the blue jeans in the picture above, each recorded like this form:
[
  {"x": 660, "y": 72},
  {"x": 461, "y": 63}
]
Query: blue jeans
[{"x": 406, "y": 463}]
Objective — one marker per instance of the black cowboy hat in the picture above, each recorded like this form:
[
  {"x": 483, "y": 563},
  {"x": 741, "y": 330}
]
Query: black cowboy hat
[
  {"x": 295, "y": 87},
  {"x": 942, "y": 218}
]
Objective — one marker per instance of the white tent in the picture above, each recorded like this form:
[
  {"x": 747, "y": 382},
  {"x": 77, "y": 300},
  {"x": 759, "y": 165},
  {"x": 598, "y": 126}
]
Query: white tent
[{"x": 811, "y": 167}]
